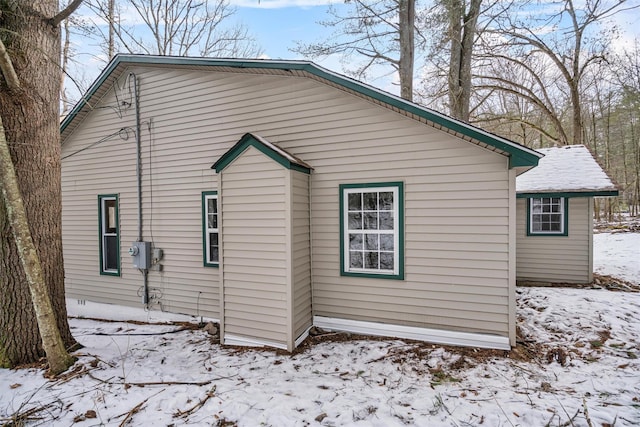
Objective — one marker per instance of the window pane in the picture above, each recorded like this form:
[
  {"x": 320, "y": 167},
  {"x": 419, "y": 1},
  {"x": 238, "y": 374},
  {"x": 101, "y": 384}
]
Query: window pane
[
  {"x": 386, "y": 201},
  {"x": 370, "y": 201},
  {"x": 371, "y": 242},
  {"x": 386, "y": 220},
  {"x": 355, "y": 241},
  {"x": 110, "y": 216},
  {"x": 371, "y": 220},
  {"x": 213, "y": 253},
  {"x": 355, "y": 201},
  {"x": 536, "y": 226},
  {"x": 355, "y": 259},
  {"x": 355, "y": 221},
  {"x": 371, "y": 260},
  {"x": 213, "y": 239},
  {"x": 554, "y": 226},
  {"x": 110, "y": 252},
  {"x": 212, "y": 206},
  {"x": 386, "y": 261},
  {"x": 212, "y": 220},
  {"x": 386, "y": 242}
]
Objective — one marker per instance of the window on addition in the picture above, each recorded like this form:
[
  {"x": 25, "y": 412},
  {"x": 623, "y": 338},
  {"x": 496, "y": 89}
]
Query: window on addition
[{"x": 547, "y": 216}]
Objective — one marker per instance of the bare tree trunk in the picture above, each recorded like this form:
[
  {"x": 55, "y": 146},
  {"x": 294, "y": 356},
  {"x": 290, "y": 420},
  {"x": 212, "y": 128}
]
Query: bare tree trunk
[
  {"x": 57, "y": 356},
  {"x": 462, "y": 30},
  {"x": 407, "y": 45},
  {"x": 31, "y": 127},
  {"x": 111, "y": 50},
  {"x": 66, "y": 48}
]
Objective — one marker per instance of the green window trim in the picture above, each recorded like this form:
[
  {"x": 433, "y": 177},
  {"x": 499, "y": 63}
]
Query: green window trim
[
  {"x": 397, "y": 188},
  {"x": 208, "y": 232},
  {"x": 109, "y": 234},
  {"x": 564, "y": 203}
]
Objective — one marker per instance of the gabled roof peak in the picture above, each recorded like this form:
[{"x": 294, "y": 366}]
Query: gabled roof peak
[{"x": 281, "y": 156}]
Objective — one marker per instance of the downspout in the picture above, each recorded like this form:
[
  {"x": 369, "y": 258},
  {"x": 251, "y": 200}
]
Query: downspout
[{"x": 145, "y": 272}]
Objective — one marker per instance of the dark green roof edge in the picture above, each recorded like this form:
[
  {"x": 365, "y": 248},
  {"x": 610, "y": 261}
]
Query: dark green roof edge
[
  {"x": 518, "y": 154},
  {"x": 603, "y": 193},
  {"x": 249, "y": 140}
]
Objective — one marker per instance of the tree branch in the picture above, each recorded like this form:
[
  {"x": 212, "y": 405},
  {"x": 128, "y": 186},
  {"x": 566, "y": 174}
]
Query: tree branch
[
  {"x": 65, "y": 13},
  {"x": 6, "y": 66}
]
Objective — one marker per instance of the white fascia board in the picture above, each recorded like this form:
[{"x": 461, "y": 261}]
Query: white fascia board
[{"x": 436, "y": 336}]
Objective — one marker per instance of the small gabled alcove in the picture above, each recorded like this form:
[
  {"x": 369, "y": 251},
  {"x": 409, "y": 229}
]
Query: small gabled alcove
[{"x": 265, "y": 255}]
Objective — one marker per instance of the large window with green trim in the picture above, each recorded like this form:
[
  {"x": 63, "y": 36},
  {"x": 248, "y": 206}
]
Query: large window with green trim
[
  {"x": 109, "y": 231},
  {"x": 547, "y": 216},
  {"x": 371, "y": 230},
  {"x": 210, "y": 233}
]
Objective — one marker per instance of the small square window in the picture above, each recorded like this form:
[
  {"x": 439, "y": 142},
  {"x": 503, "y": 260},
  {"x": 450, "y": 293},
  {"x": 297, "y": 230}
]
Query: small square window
[{"x": 547, "y": 216}]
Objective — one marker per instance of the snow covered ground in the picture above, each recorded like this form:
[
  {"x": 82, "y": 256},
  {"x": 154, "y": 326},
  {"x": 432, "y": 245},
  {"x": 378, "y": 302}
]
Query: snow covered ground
[
  {"x": 618, "y": 255},
  {"x": 578, "y": 365}
]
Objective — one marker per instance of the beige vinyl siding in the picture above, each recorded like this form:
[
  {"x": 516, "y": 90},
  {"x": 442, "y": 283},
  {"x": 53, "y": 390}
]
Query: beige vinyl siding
[
  {"x": 301, "y": 253},
  {"x": 556, "y": 258},
  {"x": 255, "y": 278},
  {"x": 456, "y": 193},
  {"x": 172, "y": 214}
]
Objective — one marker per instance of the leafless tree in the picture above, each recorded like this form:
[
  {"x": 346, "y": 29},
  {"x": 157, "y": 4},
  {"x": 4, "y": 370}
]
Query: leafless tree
[
  {"x": 172, "y": 27},
  {"x": 462, "y": 29},
  {"x": 555, "y": 44},
  {"x": 374, "y": 33}
]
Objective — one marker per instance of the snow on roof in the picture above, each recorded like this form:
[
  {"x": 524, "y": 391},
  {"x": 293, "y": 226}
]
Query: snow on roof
[{"x": 569, "y": 168}]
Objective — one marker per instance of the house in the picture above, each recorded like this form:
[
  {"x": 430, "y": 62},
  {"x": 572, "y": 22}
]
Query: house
[
  {"x": 555, "y": 215},
  {"x": 277, "y": 195}
]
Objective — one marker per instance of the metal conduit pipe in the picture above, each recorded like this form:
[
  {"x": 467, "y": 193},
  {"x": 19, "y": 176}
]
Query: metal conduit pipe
[{"x": 145, "y": 272}]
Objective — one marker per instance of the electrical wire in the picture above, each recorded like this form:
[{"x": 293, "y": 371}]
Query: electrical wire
[{"x": 123, "y": 133}]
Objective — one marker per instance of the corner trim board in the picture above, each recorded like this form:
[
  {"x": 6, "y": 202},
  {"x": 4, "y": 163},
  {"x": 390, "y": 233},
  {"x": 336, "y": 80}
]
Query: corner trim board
[{"x": 435, "y": 336}]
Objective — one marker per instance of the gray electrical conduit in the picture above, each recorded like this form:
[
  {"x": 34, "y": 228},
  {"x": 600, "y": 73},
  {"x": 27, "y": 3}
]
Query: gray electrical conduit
[{"x": 145, "y": 281}]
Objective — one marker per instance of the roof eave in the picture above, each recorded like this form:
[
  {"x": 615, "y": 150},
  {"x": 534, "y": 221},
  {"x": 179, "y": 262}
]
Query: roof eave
[{"x": 567, "y": 193}]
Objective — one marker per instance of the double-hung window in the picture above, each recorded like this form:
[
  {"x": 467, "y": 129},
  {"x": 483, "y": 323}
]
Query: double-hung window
[
  {"x": 371, "y": 225},
  {"x": 210, "y": 239},
  {"x": 547, "y": 216},
  {"x": 109, "y": 230}
]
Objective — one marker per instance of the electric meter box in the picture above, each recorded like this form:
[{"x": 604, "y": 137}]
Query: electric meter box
[{"x": 141, "y": 255}]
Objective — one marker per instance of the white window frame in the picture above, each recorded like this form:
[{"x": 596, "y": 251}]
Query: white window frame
[
  {"x": 208, "y": 231},
  {"x": 398, "y": 254},
  {"x": 561, "y": 203}
]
